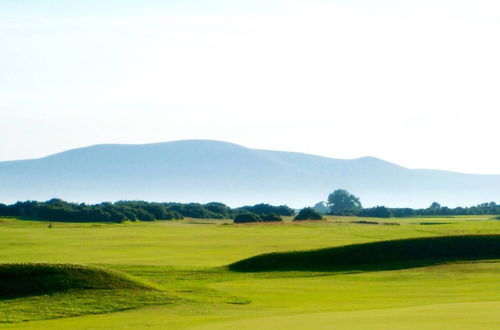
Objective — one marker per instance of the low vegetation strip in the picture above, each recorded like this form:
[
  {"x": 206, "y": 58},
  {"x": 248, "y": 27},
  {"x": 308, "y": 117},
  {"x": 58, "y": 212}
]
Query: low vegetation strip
[
  {"x": 18, "y": 280},
  {"x": 392, "y": 254},
  {"x": 59, "y": 210}
]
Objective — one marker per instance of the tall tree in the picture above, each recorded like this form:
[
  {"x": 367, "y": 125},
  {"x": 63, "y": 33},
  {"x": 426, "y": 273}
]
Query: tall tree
[{"x": 341, "y": 202}]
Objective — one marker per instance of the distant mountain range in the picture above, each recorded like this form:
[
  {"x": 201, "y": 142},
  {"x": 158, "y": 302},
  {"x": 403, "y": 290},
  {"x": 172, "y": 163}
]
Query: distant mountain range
[{"x": 204, "y": 171}]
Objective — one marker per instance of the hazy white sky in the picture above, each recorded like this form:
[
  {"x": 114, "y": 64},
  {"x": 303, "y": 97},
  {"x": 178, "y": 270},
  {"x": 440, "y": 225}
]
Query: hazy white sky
[{"x": 413, "y": 82}]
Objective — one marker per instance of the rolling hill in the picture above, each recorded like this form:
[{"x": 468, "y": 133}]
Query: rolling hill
[
  {"x": 392, "y": 254},
  {"x": 205, "y": 170}
]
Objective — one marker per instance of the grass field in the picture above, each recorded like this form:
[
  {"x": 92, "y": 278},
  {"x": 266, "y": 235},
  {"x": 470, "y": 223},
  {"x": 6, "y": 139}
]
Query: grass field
[{"x": 185, "y": 261}]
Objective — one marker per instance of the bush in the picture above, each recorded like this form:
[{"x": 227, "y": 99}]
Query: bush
[
  {"x": 201, "y": 211},
  {"x": 376, "y": 212},
  {"x": 247, "y": 217},
  {"x": 144, "y": 215},
  {"x": 218, "y": 209},
  {"x": 271, "y": 218},
  {"x": 172, "y": 215},
  {"x": 308, "y": 213},
  {"x": 264, "y": 209}
]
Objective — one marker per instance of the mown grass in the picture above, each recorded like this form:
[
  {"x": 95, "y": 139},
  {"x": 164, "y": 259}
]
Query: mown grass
[
  {"x": 71, "y": 303},
  {"x": 204, "y": 243},
  {"x": 187, "y": 259},
  {"x": 459, "y": 316}
]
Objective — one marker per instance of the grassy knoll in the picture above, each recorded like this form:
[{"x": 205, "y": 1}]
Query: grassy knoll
[
  {"x": 395, "y": 254},
  {"x": 44, "y": 291},
  {"x": 185, "y": 261},
  {"x": 18, "y": 280}
]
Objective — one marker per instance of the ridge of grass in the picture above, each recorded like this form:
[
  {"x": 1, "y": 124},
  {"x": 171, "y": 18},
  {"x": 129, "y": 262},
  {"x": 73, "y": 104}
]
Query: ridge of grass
[
  {"x": 41, "y": 291},
  {"x": 18, "y": 280},
  {"x": 382, "y": 255}
]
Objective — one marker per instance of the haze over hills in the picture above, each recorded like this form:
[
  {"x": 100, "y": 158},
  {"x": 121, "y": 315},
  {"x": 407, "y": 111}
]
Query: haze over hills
[{"x": 205, "y": 170}]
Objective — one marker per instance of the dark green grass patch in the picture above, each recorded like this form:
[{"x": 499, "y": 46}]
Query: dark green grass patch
[
  {"x": 394, "y": 254},
  {"x": 18, "y": 280}
]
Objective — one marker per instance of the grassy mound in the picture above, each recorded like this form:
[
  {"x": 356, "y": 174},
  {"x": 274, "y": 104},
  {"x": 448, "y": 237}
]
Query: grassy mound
[
  {"x": 392, "y": 254},
  {"x": 18, "y": 280}
]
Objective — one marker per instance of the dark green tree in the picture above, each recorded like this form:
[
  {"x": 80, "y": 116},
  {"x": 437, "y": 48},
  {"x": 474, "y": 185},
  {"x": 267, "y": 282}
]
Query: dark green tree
[
  {"x": 341, "y": 202},
  {"x": 435, "y": 206}
]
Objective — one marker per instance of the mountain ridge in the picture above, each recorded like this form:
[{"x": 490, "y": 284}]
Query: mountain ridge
[{"x": 210, "y": 170}]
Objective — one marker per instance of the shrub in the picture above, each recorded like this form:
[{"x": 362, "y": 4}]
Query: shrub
[
  {"x": 271, "y": 218},
  {"x": 172, "y": 215},
  {"x": 247, "y": 217},
  {"x": 263, "y": 209},
  {"x": 218, "y": 209},
  {"x": 144, "y": 215},
  {"x": 308, "y": 213},
  {"x": 376, "y": 212}
]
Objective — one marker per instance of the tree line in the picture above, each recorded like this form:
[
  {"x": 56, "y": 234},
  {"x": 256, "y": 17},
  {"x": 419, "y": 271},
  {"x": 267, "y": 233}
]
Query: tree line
[
  {"x": 341, "y": 202},
  {"x": 435, "y": 209},
  {"x": 59, "y": 210}
]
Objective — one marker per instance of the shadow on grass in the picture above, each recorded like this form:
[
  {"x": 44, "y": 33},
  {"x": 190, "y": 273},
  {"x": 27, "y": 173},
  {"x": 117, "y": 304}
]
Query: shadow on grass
[{"x": 385, "y": 255}]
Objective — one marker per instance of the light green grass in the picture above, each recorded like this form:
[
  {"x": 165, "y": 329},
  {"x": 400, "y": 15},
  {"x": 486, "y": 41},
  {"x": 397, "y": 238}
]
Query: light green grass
[
  {"x": 178, "y": 243},
  {"x": 78, "y": 302},
  {"x": 185, "y": 259},
  {"x": 463, "y": 316}
]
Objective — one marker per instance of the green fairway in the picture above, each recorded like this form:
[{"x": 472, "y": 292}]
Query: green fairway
[
  {"x": 204, "y": 243},
  {"x": 463, "y": 316},
  {"x": 184, "y": 261}
]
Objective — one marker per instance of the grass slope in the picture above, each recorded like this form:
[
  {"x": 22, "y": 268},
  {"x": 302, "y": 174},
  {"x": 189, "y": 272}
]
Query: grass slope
[
  {"x": 392, "y": 254},
  {"x": 18, "y": 280},
  {"x": 44, "y": 291}
]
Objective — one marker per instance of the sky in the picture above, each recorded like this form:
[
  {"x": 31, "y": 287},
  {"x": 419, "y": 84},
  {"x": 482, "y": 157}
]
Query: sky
[{"x": 416, "y": 83}]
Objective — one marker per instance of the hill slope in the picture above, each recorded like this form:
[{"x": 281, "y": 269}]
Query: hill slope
[
  {"x": 31, "y": 279},
  {"x": 393, "y": 254},
  {"x": 201, "y": 170}
]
